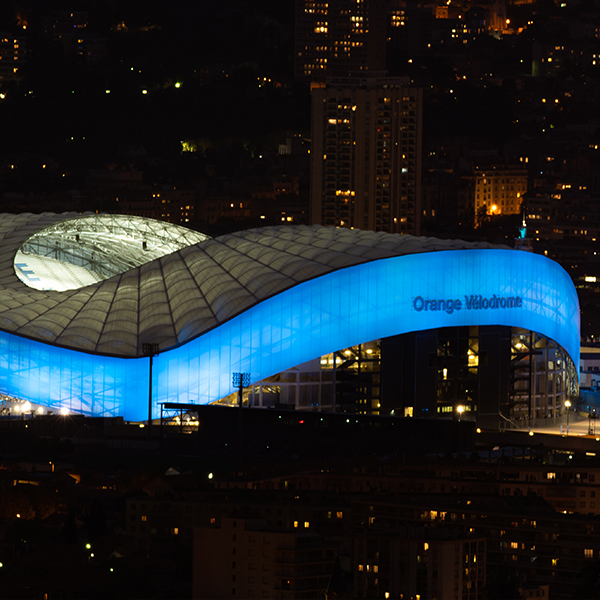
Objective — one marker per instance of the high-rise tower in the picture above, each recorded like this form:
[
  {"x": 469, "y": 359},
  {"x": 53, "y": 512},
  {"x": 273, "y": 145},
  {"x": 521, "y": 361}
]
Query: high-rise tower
[
  {"x": 339, "y": 37},
  {"x": 366, "y": 154}
]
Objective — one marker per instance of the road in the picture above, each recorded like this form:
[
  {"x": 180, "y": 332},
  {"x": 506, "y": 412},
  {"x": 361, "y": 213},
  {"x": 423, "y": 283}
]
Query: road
[{"x": 576, "y": 428}]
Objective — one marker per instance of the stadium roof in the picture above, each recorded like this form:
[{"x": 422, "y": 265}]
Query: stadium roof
[{"x": 129, "y": 280}]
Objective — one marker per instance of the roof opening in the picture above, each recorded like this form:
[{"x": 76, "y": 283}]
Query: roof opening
[{"x": 79, "y": 252}]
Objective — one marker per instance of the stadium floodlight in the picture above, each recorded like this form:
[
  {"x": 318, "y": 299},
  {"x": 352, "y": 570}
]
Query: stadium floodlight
[{"x": 241, "y": 379}]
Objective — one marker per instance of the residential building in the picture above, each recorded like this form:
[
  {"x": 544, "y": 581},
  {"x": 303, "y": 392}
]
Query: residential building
[
  {"x": 242, "y": 559},
  {"x": 366, "y": 155},
  {"x": 498, "y": 189},
  {"x": 418, "y": 563},
  {"x": 339, "y": 37},
  {"x": 12, "y": 56}
]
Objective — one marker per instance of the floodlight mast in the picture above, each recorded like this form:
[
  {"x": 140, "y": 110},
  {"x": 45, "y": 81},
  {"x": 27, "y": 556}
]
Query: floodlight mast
[
  {"x": 240, "y": 380},
  {"x": 150, "y": 349}
]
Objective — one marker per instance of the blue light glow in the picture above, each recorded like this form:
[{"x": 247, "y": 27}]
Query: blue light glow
[{"x": 344, "y": 308}]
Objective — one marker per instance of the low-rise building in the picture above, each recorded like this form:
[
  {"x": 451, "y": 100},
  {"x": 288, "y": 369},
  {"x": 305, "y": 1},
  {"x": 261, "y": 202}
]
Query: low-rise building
[{"x": 243, "y": 559}]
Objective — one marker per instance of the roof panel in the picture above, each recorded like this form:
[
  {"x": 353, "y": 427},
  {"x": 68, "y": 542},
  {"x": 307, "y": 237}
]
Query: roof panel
[{"x": 176, "y": 297}]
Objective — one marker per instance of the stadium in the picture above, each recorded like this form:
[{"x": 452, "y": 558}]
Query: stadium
[{"x": 101, "y": 313}]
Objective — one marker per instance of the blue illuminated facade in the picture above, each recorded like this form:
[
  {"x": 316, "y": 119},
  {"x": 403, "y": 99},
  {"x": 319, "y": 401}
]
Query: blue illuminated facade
[{"x": 341, "y": 308}]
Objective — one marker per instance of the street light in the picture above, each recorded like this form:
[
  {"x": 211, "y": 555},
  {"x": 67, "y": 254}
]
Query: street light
[
  {"x": 460, "y": 409},
  {"x": 568, "y": 406}
]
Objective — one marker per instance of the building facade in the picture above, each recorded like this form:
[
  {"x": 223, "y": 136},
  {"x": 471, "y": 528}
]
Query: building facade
[
  {"x": 339, "y": 38},
  {"x": 498, "y": 190},
  {"x": 13, "y": 52},
  {"x": 259, "y": 563},
  {"x": 411, "y": 563},
  {"x": 366, "y": 155}
]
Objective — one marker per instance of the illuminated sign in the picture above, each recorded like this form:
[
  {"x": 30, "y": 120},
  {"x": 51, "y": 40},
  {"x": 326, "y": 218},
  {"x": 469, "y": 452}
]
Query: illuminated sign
[{"x": 472, "y": 302}]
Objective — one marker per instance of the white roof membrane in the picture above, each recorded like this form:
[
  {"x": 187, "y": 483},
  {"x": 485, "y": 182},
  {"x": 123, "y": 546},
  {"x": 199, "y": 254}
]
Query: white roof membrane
[{"x": 178, "y": 286}]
